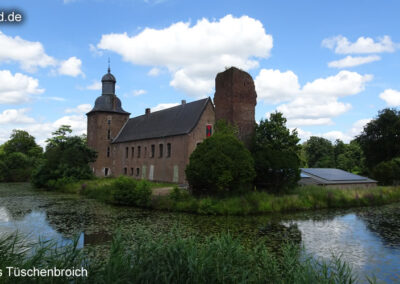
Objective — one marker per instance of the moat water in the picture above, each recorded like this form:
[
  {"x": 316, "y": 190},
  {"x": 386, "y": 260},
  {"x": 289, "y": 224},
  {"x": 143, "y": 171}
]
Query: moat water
[{"x": 367, "y": 238}]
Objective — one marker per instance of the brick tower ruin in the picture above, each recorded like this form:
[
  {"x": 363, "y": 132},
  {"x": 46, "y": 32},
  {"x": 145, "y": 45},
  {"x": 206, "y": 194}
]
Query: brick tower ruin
[
  {"x": 104, "y": 122},
  {"x": 235, "y": 100}
]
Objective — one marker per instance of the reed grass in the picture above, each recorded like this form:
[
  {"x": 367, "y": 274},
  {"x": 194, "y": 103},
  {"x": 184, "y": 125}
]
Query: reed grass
[{"x": 172, "y": 258}]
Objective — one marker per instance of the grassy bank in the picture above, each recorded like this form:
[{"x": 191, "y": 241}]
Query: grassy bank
[
  {"x": 126, "y": 191},
  {"x": 172, "y": 258},
  {"x": 302, "y": 198}
]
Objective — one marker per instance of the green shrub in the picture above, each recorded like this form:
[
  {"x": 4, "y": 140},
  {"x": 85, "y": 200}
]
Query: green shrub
[
  {"x": 220, "y": 164},
  {"x": 388, "y": 173},
  {"x": 127, "y": 191}
]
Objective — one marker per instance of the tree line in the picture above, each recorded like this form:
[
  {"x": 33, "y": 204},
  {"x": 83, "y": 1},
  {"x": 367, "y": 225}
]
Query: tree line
[{"x": 222, "y": 163}]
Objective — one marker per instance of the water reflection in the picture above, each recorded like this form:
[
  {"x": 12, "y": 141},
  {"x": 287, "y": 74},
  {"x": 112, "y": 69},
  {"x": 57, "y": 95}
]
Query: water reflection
[
  {"x": 367, "y": 238},
  {"x": 349, "y": 236}
]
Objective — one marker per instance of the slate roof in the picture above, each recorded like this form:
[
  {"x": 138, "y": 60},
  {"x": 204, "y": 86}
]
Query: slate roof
[
  {"x": 108, "y": 103},
  {"x": 173, "y": 121},
  {"x": 334, "y": 176}
]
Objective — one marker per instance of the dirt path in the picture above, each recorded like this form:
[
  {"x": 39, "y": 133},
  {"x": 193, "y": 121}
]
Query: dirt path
[{"x": 162, "y": 191}]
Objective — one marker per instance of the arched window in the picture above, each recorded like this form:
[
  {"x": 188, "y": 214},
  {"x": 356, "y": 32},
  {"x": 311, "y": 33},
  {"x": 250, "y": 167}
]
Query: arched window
[{"x": 169, "y": 150}]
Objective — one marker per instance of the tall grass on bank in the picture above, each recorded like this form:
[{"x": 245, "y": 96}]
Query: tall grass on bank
[
  {"x": 127, "y": 191},
  {"x": 172, "y": 258},
  {"x": 259, "y": 202}
]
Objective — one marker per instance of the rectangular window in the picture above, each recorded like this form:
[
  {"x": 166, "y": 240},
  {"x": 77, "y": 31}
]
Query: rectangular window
[
  {"x": 169, "y": 150},
  {"x": 131, "y": 171},
  {"x": 208, "y": 130},
  {"x": 132, "y": 152},
  {"x": 125, "y": 171},
  {"x": 153, "y": 150},
  {"x": 109, "y": 121},
  {"x": 106, "y": 172},
  {"x": 161, "y": 146},
  {"x": 108, "y": 152},
  {"x": 145, "y": 152},
  {"x": 138, "y": 151},
  {"x": 108, "y": 134},
  {"x": 126, "y": 152},
  {"x": 137, "y": 171}
]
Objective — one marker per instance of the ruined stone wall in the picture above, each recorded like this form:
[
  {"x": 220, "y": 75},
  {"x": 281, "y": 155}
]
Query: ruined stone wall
[{"x": 235, "y": 100}]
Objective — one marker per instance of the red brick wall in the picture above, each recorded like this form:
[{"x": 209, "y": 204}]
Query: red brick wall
[
  {"x": 97, "y": 131},
  {"x": 181, "y": 148}
]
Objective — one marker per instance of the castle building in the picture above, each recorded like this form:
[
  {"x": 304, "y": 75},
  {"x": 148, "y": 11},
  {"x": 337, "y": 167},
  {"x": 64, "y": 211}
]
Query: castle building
[{"x": 157, "y": 145}]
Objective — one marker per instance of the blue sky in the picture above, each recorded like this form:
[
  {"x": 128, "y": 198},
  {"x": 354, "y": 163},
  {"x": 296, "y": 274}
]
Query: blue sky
[{"x": 328, "y": 66}]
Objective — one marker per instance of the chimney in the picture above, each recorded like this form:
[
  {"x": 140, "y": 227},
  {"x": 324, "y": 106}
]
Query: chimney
[
  {"x": 147, "y": 111},
  {"x": 183, "y": 102}
]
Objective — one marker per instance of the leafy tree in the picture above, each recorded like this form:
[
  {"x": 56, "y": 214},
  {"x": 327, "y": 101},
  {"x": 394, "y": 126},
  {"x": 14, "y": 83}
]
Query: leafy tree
[
  {"x": 18, "y": 157},
  {"x": 220, "y": 164},
  {"x": 380, "y": 138},
  {"x": 21, "y": 141},
  {"x": 18, "y": 167},
  {"x": 320, "y": 153},
  {"x": 388, "y": 172},
  {"x": 66, "y": 160},
  {"x": 351, "y": 159},
  {"x": 276, "y": 153}
]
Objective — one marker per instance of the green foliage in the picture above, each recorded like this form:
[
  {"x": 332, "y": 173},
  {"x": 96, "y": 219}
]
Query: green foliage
[
  {"x": 21, "y": 141},
  {"x": 319, "y": 152},
  {"x": 380, "y": 138},
  {"x": 388, "y": 173},
  {"x": 18, "y": 156},
  {"x": 122, "y": 191},
  {"x": 350, "y": 158},
  {"x": 66, "y": 160},
  {"x": 17, "y": 167},
  {"x": 220, "y": 164},
  {"x": 301, "y": 198},
  {"x": 276, "y": 153},
  {"x": 173, "y": 258},
  {"x": 128, "y": 191}
]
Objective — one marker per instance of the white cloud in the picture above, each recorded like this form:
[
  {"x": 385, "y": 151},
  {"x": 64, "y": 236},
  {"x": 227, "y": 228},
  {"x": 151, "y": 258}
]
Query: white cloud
[
  {"x": 139, "y": 92},
  {"x": 358, "y": 126},
  {"x": 391, "y": 97},
  {"x": 342, "y": 45},
  {"x": 313, "y": 104},
  {"x": 154, "y": 71},
  {"x": 18, "y": 88},
  {"x": 346, "y": 136},
  {"x": 81, "y": 109},
  {"x": 28, "y": 54},
  {"x": 58, "y": 99},
  {"x": 95, "y": 86},
  {"x": 94, "y": 50},
  {"x": 352, "y": 61},
  {"x": 275, "y": 86},
  {"x": 31, "y": 54},
  {"x": 15, "y": 116},
  {"x": 71, "y": 67},
  {"x": 194, "y": 54},
  {"x": 163, "y": 106},
  {"x": 18, "y": 119}
]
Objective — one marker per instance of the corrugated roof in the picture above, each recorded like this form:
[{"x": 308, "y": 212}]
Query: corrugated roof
[
  {"x": 173, "y": 121},
  {"x": 334, "y": 176}
]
